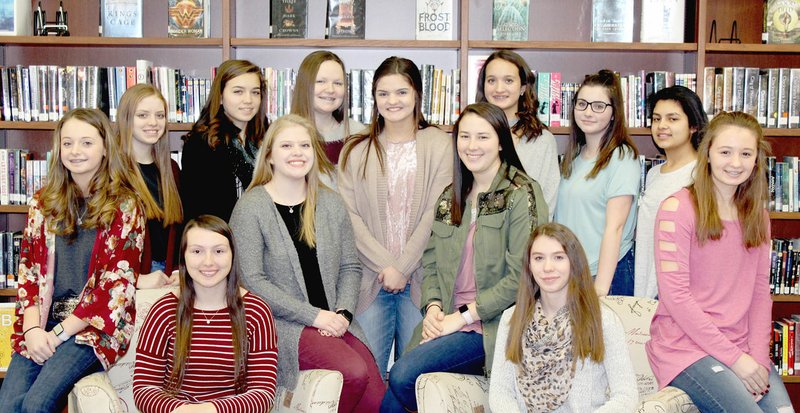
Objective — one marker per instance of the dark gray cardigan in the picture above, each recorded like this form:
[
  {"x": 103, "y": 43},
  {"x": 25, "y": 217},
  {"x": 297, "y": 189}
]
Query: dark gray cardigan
[{"x": 270, "y": 267}]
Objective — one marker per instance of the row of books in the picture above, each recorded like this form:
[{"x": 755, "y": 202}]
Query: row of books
[
  {"x": 784, "y": 345},
  {"x": 9, "y": 257},
  {"x": 555, "y": 96},
  {"x": 784, "y": 272},
  {"x": 784, "y": 195},
  {"x": 771, "y": 95},
  {"x": 20, "y": 176},
  {"x": 45, "y": 92}
]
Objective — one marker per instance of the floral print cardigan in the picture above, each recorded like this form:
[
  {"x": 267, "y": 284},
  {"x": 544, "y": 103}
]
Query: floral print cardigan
[{"x": 106, "y": 302}]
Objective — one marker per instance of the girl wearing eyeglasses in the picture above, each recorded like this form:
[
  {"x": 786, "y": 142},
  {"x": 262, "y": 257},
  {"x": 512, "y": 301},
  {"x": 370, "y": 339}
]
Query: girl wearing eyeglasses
[{"x": 600, "y": 183}]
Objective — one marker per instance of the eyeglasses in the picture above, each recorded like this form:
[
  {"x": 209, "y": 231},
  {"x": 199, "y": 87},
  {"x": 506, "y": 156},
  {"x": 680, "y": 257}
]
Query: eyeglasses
[{"x": 597, "y": 106}]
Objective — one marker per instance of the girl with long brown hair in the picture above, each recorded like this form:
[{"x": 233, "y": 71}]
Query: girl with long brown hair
[
  {"x": 711, "y": 330},
  {"x": 558, "y": 348},
  {"x": 506, "y": 81},
  {"x": 298, "y": 253},
  {"x": 600, "y": 183},
  {"x": 321, "y": 96},
  {"x": 390, "y": 177},
  {"x": 219, "y": 152},
  {"x": 143, "y": 134},
  {"x": 472, "y": 261},
  {"x": 211, "y": 328},
  {"x": 78, "y": 267}
]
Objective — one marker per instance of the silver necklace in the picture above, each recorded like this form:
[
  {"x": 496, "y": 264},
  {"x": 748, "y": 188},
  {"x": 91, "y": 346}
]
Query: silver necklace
[
  {"x": 83, "y": 214},
  {"x": 208, "y": 321}
]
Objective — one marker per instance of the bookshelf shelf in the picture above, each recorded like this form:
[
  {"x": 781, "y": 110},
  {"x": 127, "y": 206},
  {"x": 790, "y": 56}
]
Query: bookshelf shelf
[
  {"x": 109, "y": 41},
  {"x": 786, "y": 298},
  {"x": 4, "y": 125},
  {"x": 785, "y": 215},
  {"x": 13, "y": 209},
  {"x": 791, "y": 379},
  {"x": 586, "y": 46},
  {"x": 565, "y": 130},
  {"x": 346, "y": 43},
  {"x": 8, "y": 292},
  {"x": 781, "y": 132},
  {"x": 752, "y": 48}
]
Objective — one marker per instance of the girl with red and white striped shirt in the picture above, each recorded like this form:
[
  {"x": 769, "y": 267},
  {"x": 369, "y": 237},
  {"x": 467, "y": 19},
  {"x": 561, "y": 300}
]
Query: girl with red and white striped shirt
[{"x": 212, "y": 347}]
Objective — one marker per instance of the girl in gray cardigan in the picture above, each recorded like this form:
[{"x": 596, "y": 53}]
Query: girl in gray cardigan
[{"x": 298, "y": 253}]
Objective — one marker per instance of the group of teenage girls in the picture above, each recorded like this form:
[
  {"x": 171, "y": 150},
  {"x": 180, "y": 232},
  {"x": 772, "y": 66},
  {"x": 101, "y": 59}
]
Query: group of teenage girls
[{"x": 345, "y": 241}]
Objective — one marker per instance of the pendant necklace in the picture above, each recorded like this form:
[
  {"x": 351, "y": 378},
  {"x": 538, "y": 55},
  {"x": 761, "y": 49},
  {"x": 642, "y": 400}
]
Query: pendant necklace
[{"x": 208, "y": 321}]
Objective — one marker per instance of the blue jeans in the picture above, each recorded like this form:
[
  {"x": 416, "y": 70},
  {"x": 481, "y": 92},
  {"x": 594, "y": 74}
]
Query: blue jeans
[
  {"x": 158, "y": 266},
  {"x": 713, "y": 387},
  {"x": 454, "y": 353},
  {"x": 622, "y": 284},
  {"x": 29, "y": 387},
  {"x": 391, "y": 318}
]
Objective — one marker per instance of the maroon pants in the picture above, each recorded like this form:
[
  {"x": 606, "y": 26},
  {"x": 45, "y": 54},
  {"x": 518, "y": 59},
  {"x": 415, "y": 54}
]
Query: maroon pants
[{"x": 363, "y": 387}]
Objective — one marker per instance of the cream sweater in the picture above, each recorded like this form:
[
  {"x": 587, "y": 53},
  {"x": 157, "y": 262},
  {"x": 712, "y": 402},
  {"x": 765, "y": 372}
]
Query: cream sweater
[
  {"x": 609, "y": 386},
  {"x": 365, "y": 198}
]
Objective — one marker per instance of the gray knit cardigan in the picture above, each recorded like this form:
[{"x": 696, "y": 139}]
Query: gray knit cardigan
[{"x": 271, "y": 269}]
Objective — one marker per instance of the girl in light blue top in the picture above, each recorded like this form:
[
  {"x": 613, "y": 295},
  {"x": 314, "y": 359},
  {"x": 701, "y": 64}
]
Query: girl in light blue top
[{"x": 600, "y": 183}]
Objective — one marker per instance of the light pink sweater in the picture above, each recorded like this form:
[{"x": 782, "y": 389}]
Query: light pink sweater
[{"x": 717, "y": 303}]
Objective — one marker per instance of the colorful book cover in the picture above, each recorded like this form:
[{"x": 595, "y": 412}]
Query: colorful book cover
[
  {"x": 783, "y": 21},
  {"x": 188, "y": 18},
  {"x": 121, "y": 18},
  {"x": 612, "y": 20},
  {"x": 555, "y": 99},
  {"x": 346, "y": 19},
  {"x": 510, "y": 20},
  {"x": 7, "y": 318},
  {"x": 665, "y": 21},
  {"x": 288, "y": 19},
  {"x": 434, "y": 20}
]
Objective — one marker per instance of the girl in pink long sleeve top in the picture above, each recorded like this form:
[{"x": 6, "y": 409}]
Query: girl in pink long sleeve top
[{"x": 710, "y": 333}]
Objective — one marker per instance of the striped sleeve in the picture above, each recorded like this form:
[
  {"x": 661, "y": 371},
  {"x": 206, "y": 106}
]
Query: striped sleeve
[
  {"x": 262, "y": 361},
  {"x": 151, "y": 366}
]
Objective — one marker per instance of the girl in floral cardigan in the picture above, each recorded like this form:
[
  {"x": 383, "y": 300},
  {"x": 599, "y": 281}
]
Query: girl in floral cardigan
[{"x": 75, "y": 308}]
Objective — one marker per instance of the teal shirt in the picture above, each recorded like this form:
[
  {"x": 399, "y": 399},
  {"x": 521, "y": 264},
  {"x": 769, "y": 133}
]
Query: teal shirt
[{"x": 581, "y": 204}]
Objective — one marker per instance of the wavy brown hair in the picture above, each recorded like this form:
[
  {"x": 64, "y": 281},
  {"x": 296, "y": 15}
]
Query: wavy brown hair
[
  {"x": 615, "y": 136},
  {"x": 213, "y": 114},
  {"x": 582, "y": 303},
  {"x": 263, "y": 170},
  {"x": 750, "y": 196},
  {"x": 185, "y": 311},
  {"x": 172, "y": 211},
  {"x": 111, "y": 185},
  {"x": 391, "y": 66},
  {"x": 528, "y": 124}
]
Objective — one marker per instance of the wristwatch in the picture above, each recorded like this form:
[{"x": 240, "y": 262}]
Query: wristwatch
[
  {"x": 346, "y": 314},
  {"x": 464, "y": 310},
  {"x": 62, "y": 335}
]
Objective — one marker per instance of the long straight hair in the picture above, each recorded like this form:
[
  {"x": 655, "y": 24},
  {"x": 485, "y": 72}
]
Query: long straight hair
[
  {"x": 750, "y": 196},
  {"x": 185, "y": 313},
  {"x": 615, "y": 136},
  {"x": 112, "y": 184},
  {"x": 391, "y": 66},
  {"x": 303, "y": 95},
  {"x": 582, "y": 302},
  {"x": 528, "y": 124},
  {"x": 172, "y": 211},
  {"x": 263, "y": 172},
  {"x": 463, "y": 177},
  {"x": 213, "y": 114}
]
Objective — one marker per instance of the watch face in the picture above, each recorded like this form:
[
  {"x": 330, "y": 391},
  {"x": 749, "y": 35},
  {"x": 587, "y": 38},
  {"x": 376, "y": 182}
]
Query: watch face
[{"x": 58, "y": 329}]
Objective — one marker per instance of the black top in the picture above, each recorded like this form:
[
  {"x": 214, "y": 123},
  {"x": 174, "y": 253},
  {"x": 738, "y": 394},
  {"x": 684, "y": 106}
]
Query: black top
[
  {"x": 155, "y": 227},
  {"x": 307, "y": 256},
  {"x": 73, "y": 255},
  {"x": 208, "y": 175}
]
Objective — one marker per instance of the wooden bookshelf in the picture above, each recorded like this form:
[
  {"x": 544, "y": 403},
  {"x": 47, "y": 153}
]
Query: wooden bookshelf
[
  {"x": 347, "y": 43},
  {"x": 583, "y": 46},
  {"x": 13, "y": 209},
  {"x": 48, "y": 126},
  {"x": 94, "y": 41},
  {"x": 786, "y": 298},
  {"x": 785, "y": 215}
]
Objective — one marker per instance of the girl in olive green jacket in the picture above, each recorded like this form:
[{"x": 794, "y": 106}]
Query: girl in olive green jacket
[{"x": 472, "y": 263}]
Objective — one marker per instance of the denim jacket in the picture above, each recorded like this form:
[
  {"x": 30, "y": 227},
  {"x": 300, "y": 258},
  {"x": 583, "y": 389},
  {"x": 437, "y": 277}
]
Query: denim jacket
[{"x": 507, "y": 213}]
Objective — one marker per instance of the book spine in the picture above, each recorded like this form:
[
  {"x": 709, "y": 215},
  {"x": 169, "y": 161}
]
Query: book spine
[
  {"x": 783, "y": 97},
  {"x": 708, "y": 91},
  {"x": 555, "y": 99}
]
